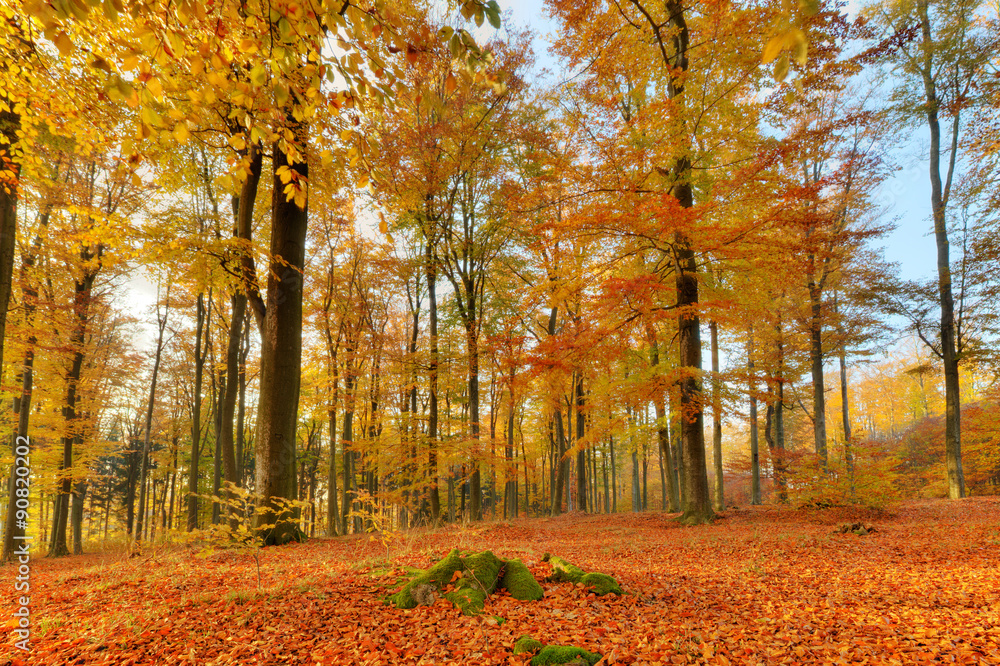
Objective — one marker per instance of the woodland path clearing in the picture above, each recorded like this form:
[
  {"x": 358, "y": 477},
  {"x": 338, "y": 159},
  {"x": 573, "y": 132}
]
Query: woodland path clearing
[{"x": 764, "y": 585}]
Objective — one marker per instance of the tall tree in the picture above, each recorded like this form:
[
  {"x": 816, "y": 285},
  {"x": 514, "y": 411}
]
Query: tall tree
[{"x": 941, "y": 71}]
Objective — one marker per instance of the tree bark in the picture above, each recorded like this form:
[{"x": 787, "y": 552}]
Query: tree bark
[
  {"x": 662, "y": 428},
  {"x": 939, "y": 203},
  {"x": 281, "y": 353},
  {"x": 754, "y": 435},
  {"x": 430, "y": 266},
  {"x": 720, "y": 501},
  {"x": 581, "y": 453},
  {"x": 78, "y": 338},
  {"x": 22, "y": 401},
  {"x": 199, "y": 369},
  {"x": 816, "y": 360},
  {"x": 144, "y": 460}
]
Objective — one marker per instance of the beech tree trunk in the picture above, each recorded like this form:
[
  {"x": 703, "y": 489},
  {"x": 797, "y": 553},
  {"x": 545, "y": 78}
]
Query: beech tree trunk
[
  {"x": 430, "y": 267},
  {"x": 281, "y": 355},
  {"x": 78, "y": 339},
  {"x": 201, "y": 316},
  {"x": 816, "y": 360},
  {"x": 144, "y": 460},
  {"x": 720, "y": 501},
  {"x": 939, "y": 202},
  {"x": 662, "y": 429},
  {"x": 581, "y": 454},
  {"x": 754, "y": 435},
  {"x": 22, "y": 400},
  {"x": 10, "y": 125}
]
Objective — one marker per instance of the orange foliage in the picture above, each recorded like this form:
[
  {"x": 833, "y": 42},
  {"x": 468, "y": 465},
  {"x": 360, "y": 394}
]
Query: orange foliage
[{"x": 764, "y": 585}]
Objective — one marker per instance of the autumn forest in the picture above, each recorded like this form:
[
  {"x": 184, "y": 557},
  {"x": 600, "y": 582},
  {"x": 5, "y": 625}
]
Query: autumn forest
[{"x": 368, "y": 272}]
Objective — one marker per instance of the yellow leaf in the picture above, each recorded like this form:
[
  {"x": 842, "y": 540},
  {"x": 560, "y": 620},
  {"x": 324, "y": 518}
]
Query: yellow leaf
[
  {"x": 800, "y": 46},
  {"x": 450, "y": 84},
  {"x": 237, "y": 142},
  {"x": 154, "y": 87},
  {"x": 773, "y": 48},
  {"x": 326, "y": 157},
  {"x": 181, "y": 133},
  {"x": 382, "y": 226},
  {"x": 781, "y": 68},
  {"x": 64, "y": 44},
  {"x": 248, "y": 46}
]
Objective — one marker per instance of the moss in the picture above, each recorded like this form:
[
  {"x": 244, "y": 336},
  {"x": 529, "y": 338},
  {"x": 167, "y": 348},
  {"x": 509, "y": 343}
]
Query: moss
[
  {"x": 563, "y": 571},
  {"x": 437, "y": 577},
  {"x": 601, "y": 584},
  {"x": 527, "y": 644},
  {"x": 520, "y": 583},
  {"x": 468, "y": 600},
  {"x": 482, "y": 570},
  {"x": 564, "y": 654}
]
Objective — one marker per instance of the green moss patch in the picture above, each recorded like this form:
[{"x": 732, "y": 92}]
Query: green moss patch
[
  {"x": 564, "y": 654},
  {"x": 600, "y": 583},
  {"x": 527, "y": 644},
  {"x": 520, "y": 583},
  {"x": 479, "y": 576},
  {"x": 422, "y": 588},
  {"x": 475, "y": 576}
]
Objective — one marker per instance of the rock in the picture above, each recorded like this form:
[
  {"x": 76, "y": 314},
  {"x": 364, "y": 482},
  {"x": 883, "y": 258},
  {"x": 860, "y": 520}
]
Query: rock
[
  {"x": 520, "y": 583},
  {"x": 564, "y": 654}
]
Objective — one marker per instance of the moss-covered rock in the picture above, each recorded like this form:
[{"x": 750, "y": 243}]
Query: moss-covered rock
[
  {"x": 563, "y": 571},
  {"x": 469, "y": 600},
  {"x": 526, "y": 644},
  {"x": 520, "y": 583},
  {"x": 481, "y": 570},
  {"x": 564, "y": 654},
  {"x": 601, "y": 584},
  {"x": 417, "y": 591},
  {"x": 481, "y": 574}
]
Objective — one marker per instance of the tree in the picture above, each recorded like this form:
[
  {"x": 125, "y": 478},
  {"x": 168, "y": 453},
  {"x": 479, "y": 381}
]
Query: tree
[{"x": 941, "y": 69}]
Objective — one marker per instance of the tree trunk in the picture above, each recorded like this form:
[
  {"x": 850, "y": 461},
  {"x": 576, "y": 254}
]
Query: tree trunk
[
  {"x": 78, "y": 339},
  {"x": 846, "y": 415},
  {"x": 561, "y": 464},
  {"x": 144, "y": 460},
  {"x": 347, "y": 439},
  {"x": 614, "y": 476},
  {"x": 581, "y": 454},
  {"x": 432, "y": 378},
  {"x": 720, "y": 501},
  {"x": 662, "y": 429},
  {"x": 10, "y": 125},
  {"x": 76, "y": 519},
  {"x": 281, "y": 353},
  {"x": 939, "y": 203},
  {"x": 754, "y": 436},
  {"x": 475, "y": 484},
  {"x": 13, "y": 530},
  {"x": 816, "y": 358},
  {"x": 199, "y": 369},
  {"x": 242, "y": 232}
]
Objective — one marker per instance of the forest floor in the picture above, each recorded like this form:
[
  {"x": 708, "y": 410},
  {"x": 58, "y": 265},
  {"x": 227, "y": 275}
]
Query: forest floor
[{"x": 764, "y": 585}]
